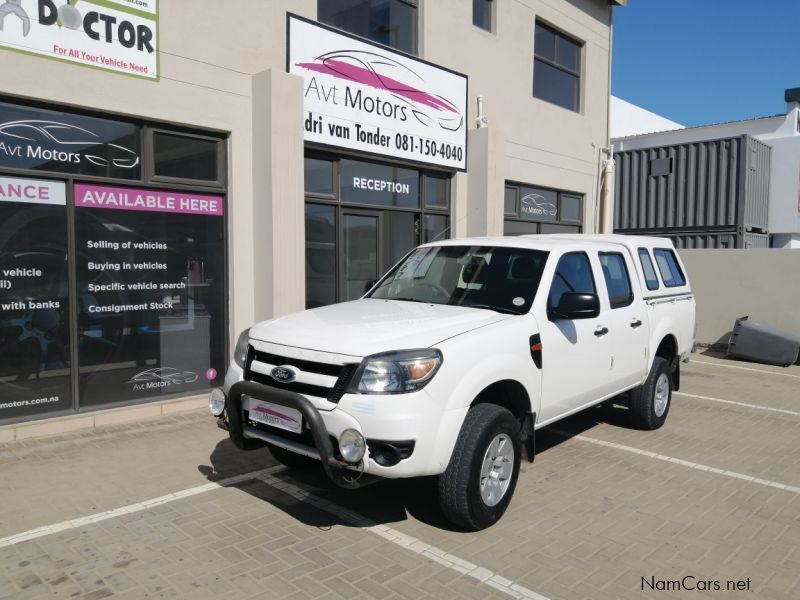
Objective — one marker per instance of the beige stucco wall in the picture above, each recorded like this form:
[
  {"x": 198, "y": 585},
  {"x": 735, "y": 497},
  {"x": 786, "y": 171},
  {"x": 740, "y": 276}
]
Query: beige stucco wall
[
  {"x": 728, "y": 284},
  {"x": 223, "y": 68}
]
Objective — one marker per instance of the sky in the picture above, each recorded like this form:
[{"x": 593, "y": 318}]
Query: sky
[{"x": 706, "y": 61}]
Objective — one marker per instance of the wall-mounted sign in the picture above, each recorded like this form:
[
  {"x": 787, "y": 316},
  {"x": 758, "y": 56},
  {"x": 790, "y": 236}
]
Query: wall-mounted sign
[
  {"x": 364, "y": 96},
  {"x": 48, "y": 140},
  {"x": 115, "y": 35}
]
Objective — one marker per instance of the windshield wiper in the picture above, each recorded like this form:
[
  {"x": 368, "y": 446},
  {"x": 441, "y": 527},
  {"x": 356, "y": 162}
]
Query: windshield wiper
[
  {"x": 411, "y": 300},
  {"x": 500, "y": 309}
]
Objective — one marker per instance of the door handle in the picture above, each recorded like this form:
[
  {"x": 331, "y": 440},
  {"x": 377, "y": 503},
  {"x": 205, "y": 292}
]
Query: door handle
[
  {"x": 636, "y": 323},
  {"x": 600, "y": 331}
]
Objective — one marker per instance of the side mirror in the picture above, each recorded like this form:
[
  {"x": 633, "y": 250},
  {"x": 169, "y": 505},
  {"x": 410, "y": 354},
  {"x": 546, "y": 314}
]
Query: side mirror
[
  {"x": 368, "y": 286},
  {"x": 576, "y": 305}
]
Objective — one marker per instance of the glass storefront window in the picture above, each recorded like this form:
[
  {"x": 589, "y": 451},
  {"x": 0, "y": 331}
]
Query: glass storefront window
[
  {"x": 435, "y": 228},
  {"x": 377, "y": 184},
  {"x": 510, "y": 200},
  {"x": 541, "y": 210},
  {"x": 320, "y": 255},
  {"x": 34, "y": 298},
  {"x": 318, "y": 175},
  {"x": 59, "y": 142},
  {"x": 185, "y": 157},
  {"x": 437, "y": 192},
  {"x": 151, "y": 292}
]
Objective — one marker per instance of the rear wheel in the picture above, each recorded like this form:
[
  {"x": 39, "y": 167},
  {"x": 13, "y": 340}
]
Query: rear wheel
[
  {"x": 477, "y": 486},
  {"x": 649, "y": 403}
]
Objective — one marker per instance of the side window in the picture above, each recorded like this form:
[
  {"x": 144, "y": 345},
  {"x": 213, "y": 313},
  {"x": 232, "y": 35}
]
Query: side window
[
  {"x": 618, "y": 283},
  {"x": 668, "y": 266},
  {"x": 573, "y": 274},
  {"x": 649, "y": 271}
]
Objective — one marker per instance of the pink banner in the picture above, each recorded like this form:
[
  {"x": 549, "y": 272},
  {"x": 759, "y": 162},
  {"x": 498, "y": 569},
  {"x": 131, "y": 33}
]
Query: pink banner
[{"x": 102, "y": 196}]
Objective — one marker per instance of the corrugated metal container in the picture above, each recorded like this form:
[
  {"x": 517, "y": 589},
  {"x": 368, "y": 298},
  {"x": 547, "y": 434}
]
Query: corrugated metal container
[
  {"x": 695, "y": 190},
  {"x": 711, "y": 239},
  {"x": 755, "y": 240}
]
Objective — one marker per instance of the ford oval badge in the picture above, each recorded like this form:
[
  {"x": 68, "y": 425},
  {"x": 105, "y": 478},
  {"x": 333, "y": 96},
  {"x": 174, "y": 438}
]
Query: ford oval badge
[{"x": 283, "y": 374}]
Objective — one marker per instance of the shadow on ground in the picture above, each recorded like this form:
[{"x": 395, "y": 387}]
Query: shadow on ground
[{"x": 385, "y": 501}]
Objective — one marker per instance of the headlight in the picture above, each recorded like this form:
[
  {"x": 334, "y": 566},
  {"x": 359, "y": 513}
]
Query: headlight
[
  {"x": 216, "y": 402},
  {"x": 240, "y": 352},
  {"x": 396, "y": 372}
]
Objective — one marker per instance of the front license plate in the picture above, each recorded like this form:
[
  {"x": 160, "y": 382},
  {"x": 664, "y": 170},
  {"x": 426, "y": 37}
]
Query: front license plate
[{"x": 282, "y": 417}]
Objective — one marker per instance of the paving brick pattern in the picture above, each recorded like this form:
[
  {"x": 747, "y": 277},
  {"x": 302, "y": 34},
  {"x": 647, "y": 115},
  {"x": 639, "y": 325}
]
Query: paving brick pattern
[{"x": 587, "y": 521}]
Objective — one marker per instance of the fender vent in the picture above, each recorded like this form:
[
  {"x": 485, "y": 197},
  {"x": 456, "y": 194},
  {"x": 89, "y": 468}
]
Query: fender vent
[{"x": 536, "y": 350}]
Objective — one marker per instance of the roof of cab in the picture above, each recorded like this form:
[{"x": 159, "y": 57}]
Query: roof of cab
[{"x": 551, "y": 241}]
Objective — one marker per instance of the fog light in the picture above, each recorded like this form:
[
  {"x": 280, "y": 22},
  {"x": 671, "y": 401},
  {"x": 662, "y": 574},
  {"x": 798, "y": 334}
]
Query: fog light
[
  {"x": 216, "y": 402},
  {"x": 352, "y": 445}
]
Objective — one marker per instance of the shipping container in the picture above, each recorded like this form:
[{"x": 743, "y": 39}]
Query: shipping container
[{"x": 711, "y": 191}]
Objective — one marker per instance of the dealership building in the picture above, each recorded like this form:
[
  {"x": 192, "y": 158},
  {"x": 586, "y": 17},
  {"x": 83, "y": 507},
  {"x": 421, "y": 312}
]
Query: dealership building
[{"x": 172, "y": 172}]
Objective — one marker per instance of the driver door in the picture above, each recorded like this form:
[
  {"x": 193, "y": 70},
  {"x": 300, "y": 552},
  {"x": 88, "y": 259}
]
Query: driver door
[{"x": 574, "y": 352}]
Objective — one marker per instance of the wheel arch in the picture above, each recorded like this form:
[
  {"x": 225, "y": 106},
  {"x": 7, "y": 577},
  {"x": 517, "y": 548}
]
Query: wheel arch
[
  {"x": 668, "y": 350},
  {"x": 508, "y": 393}
]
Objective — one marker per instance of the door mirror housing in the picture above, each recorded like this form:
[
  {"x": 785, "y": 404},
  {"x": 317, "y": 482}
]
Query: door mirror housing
[{"x": 576, "y": 305}]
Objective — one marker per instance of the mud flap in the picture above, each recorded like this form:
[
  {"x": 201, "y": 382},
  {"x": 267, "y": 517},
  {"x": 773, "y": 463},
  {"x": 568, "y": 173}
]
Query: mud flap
[{"x": 529, "y": 435}]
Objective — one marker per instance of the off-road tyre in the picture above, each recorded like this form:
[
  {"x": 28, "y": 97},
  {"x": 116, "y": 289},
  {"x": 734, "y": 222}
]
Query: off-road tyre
[
  {"x": 460, "y": 485},
  {"x": 646, "y": 411}
]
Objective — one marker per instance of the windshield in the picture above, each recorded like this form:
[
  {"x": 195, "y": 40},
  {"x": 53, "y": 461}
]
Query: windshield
[{"x": 492, "y": 277}]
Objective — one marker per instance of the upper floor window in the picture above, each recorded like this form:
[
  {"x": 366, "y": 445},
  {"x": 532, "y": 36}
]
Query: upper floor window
[
  {"x": 556, "y": 68},
  {"x": 389, "y": 22},
  {"x": 482, "y": 14}
]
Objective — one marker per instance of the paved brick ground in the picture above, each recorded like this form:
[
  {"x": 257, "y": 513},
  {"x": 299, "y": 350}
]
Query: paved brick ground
[{"x": 587, "y": 520}]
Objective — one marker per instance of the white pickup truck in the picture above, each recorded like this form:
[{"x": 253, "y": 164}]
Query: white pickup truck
[{"x": 450, "y": 363}]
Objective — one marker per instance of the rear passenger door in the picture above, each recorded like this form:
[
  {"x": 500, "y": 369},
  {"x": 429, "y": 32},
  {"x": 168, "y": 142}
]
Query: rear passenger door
[{"x": 627, "y": 320}]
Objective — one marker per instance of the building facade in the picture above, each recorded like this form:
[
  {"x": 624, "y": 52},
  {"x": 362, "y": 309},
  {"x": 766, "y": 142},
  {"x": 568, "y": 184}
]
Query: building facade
[{"x": 171, "y": 172}]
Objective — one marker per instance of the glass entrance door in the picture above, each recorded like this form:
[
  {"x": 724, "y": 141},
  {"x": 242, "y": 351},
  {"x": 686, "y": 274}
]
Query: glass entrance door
[{"x": 361, "y": 256}]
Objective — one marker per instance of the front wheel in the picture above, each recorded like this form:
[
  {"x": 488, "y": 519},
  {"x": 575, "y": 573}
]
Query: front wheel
[
  {"x": 649, "y": 403},
  {"x": 477, "y": 486}
]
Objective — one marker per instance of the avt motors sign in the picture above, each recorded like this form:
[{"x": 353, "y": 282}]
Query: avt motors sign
[
  {"x": 116, "y": 35},
  {"x": 366, "y": 97}
]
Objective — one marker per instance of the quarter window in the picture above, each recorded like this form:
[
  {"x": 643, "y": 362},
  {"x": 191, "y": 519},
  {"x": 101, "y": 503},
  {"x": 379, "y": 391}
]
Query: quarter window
[
  {"x": 668, "y": 266},
  {"x": 650, "y": 277},
  {"x": 618, "y": 282},
  {"x": 556, "y": 68},
  {"x": 573, "y": 274},
  {"x": 388, "y": 22}
]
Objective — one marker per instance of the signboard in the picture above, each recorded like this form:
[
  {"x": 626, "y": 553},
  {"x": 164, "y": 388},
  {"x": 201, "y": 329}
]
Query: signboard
[
  {"x": 50, "y": 140},
  {"x": 114, "y": 35},
  {"x": 34, "y": 303},
  {"x": 150, "y": 268},
  {"x": 364, "y": 96}
]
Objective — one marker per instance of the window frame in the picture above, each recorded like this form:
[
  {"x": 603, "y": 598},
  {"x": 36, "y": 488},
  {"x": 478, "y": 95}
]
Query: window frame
[
  {"x": 413, "y": 52},
  {"x": 578, "y": 74},
  {"x": 515, "y": 216},
  {"x": 149, "y": 157},
  {"x": 492, "y": 16},
  {"x": 646, "y": 252},
  {"x": 555, "y": 272},
  {"x": 614, "y": 302},
  {"x": 679, "y": 270}
]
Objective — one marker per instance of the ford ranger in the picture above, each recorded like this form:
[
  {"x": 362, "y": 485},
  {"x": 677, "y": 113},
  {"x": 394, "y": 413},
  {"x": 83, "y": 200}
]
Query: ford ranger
[{"x": 449, "y": 364}]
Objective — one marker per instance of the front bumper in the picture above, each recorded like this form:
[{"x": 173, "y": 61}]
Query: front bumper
[{"x": 240, "y": 431}]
